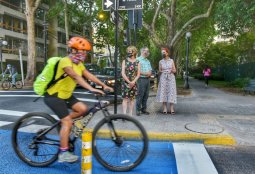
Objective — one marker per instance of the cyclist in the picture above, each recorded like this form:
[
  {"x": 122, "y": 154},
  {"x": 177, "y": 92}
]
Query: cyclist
[
  {"x": 12, "y": 71},
  {"x": 59, "y": 96}
]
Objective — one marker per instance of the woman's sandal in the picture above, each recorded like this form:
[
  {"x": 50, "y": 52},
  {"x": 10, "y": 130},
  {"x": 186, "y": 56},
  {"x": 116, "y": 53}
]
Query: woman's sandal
[
  {"x": 163, "y": 112},
  {"x": 172, "y": 113}
]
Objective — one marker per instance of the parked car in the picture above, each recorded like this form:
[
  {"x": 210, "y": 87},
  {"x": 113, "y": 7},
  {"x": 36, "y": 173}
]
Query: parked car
[
  {"x": 106, "y": 75},
  {"x": 153, "y": 76}
]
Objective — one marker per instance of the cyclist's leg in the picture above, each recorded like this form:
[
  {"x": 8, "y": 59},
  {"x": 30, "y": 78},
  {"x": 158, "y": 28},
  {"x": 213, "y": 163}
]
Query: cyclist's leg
[
  {"x": 60, "y": 107},
  {"x": 14, "y": 78},
  {"x": 78, "y": 108}
]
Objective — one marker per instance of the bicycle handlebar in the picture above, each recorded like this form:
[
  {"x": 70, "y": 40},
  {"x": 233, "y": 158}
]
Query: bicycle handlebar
[{"x": 97, "y": 94}]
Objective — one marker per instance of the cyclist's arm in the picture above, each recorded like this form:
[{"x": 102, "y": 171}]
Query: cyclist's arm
[
  {"x": 6, "y": 70},
  {"x": 70, "y": 72},
  {"x": 92, "y": 77}
]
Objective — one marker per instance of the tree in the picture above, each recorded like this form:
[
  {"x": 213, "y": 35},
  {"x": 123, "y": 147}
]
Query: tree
[
  {"x": 31, "y": 7},
  {"x": 234, "y": 17},
  {"x": 166, "y": 21}
]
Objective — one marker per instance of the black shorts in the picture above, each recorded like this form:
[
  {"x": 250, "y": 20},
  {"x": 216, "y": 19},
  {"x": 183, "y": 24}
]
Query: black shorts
[{"x": 60, "y": 106}]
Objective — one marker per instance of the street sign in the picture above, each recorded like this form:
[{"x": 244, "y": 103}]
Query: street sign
[
  {"x": 130, "y": 4},
  {"x": 108, "y": 5}
]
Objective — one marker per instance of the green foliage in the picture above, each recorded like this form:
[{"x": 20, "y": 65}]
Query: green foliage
[
  {"x": 239, "y": 83},
  {"x": 234, "y": 16}
]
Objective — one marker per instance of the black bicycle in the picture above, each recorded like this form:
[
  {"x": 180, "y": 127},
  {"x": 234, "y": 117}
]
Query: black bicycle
[
  {"x": 7, "y": 83},
  {"x": 120, "y": 142}
]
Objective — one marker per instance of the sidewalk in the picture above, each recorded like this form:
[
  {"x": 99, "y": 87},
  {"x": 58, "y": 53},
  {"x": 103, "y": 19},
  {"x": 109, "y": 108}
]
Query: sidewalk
[{"x": 208, "y": 115}]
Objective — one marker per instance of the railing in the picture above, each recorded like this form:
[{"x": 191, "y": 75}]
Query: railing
[
  {"x": 11, "y": 28},
  {"x": 7, "y": 4}
]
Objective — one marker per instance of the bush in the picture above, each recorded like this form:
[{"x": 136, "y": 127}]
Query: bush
[
  {"x": 239, "y": 83},
  {"x": 198, "y": 76}
]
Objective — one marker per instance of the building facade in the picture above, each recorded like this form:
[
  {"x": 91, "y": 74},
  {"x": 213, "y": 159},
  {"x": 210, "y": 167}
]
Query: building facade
[{"x": 13, "y": 29}]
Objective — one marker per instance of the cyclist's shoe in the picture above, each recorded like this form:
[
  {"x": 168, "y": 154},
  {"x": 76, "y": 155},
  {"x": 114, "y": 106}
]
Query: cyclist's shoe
[{"x": 67, "y": 157}]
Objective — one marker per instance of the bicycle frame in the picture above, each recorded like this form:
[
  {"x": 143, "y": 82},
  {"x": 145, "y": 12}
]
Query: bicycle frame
[{"x": 97, "y": 107}]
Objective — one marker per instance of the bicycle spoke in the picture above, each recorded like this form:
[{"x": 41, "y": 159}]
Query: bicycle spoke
[
  {"x": 127, "y": 150},
  {"x": 34, "y": 150}
]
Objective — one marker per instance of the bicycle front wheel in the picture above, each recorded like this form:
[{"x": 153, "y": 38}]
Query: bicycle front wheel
[
  {"x": 35, "y": 140},
  {"x": 19, "y": 84},
  {"x": 126, "y": 149},
  {"x": 6, "y": 85}
]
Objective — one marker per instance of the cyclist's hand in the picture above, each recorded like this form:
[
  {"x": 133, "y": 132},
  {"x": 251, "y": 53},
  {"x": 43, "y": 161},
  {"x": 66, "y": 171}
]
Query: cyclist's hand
[
  {"x": 107, "y": 88},
  {"x": 10, "y": 76},
  {"x": 98, "y": 91}
]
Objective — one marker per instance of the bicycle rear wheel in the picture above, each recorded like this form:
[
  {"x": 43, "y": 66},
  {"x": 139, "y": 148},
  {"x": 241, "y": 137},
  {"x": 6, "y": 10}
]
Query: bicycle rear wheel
[
  {"x": 32, "y": 149},
  {"x": 19, "y": 84},
  {"x": 6, "y": 85},
  {"x": 127, "y": 150}
]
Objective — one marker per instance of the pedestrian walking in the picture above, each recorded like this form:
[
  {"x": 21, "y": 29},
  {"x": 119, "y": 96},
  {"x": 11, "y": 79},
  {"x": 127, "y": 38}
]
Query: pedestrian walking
[
  {"x": 143, "y": 82},
  {"x": 207, "y": 74},
  {"x": 130, "y": 73},
  {"x": 167, "y": 85}
]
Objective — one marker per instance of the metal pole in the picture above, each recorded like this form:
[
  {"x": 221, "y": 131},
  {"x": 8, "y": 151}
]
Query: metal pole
[
  {"x": 1, "y": 57},
  {"x": 134, "y": 20},
  {"x": 186, "y": 84},
  {"x": 21, "y": 66},
  {"x": 116, "y": 55},
  {"x": 45, "y": 38}
]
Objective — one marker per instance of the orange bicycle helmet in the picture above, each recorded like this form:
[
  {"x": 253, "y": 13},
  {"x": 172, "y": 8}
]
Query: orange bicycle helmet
[{"x": 79, "y": 43}]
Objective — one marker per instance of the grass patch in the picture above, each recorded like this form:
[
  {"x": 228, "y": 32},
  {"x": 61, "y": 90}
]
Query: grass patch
[
  {"x": 235, "y": 86},
  {"x": 180, "y": 88}
]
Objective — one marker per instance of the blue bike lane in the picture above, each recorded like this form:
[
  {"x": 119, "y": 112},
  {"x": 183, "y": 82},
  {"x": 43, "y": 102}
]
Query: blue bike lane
[{"x": 160, "y": 159}]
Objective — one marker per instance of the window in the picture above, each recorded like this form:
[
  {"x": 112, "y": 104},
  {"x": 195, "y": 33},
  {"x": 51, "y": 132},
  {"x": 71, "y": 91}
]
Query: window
[
  {"x": 62, "y": 52},
  {"x": 14, "y": 44},
  {"x": 12, "y": 23},
  {"x": 24, "y": 27},
  {"x": 7, "y": 22},
  {"x": 17, "y": 25},
  {"x": 1, "y": 21},
  {"x": 61, "y": 38},
  {"x": 38, "y": 31},
  {"x": 39, "y": 50}
]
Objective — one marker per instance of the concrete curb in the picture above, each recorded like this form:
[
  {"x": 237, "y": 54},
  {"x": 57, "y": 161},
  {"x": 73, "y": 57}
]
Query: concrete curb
[{"x": 208, "y": 139}]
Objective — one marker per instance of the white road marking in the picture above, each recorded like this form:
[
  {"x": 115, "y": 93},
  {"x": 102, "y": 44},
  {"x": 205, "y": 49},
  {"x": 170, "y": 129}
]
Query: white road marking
[
  {"x": 33, "y": 128},
  {"x": 192, "y": 158},
  {"x": 33, "y": 92},
  {"x": 81, "y": 99},
  {"x": 3, "y": 123},
  {"x": 18, "y": 113},
  {"x": 85, "y": 93}
]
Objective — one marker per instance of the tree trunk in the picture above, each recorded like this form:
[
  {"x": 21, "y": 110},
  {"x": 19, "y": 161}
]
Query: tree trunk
[
  {"x": 66, "y": 23},
  {"x": 31, "y": 61},
  {"x": 31, "y": 7},
  {"x": 53, "y": 34}
]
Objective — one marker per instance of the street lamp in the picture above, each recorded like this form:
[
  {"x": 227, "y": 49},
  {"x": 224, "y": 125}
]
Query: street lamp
[
  {"x": 45, "y": 33},
  {"x": 2, "y": 43},
  {"x": 186, "y": 84}
]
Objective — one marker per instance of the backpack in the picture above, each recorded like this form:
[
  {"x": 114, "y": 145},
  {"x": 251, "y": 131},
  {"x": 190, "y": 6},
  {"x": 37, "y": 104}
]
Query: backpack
[{"x": 46, "y": 79}]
